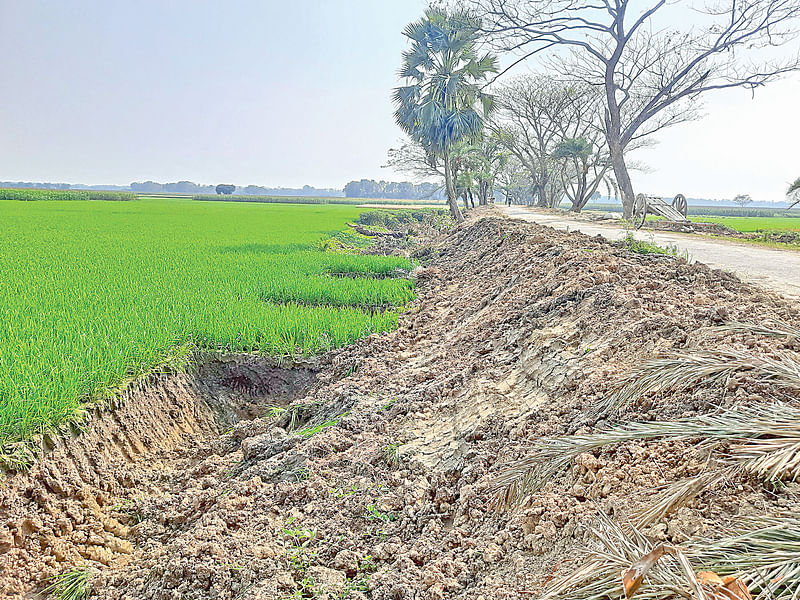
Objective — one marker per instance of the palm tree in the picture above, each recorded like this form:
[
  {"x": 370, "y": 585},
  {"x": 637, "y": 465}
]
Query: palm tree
[{"x": 443, "y": 102}]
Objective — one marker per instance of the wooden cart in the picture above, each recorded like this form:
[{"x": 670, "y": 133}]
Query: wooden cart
[{"x": 653, "y": 205}]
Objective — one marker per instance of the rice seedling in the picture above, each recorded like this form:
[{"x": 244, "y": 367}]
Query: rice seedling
[
  {"x": 96, "y": 294},
  {"x": 763, "y": 441},
  {"x": 763, "y": 553},
  {"x": 69, "y": 585}
]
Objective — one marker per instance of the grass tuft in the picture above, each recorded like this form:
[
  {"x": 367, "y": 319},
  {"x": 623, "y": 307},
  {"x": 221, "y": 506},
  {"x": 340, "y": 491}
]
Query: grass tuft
[
  {"x": 70, "y": 585},
  {"x": 644, "y": 247}
]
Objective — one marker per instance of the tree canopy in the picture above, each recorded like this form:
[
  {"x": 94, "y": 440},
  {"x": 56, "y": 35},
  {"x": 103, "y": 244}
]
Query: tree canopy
[{"x": 443, "y": 101}]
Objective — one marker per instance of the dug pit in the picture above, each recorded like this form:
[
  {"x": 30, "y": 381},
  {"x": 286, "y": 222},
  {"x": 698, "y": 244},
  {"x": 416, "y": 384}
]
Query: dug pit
[{"x": 76, "y": 506}]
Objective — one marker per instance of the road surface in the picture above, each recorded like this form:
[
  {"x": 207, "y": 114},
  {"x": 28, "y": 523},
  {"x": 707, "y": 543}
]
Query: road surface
[{"x": 776, "y": 269}]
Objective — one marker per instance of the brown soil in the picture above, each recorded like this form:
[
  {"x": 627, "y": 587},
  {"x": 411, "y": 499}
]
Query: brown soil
[
  {"x": 694, "y": 227},
  {"x": 517, "y": 332}
]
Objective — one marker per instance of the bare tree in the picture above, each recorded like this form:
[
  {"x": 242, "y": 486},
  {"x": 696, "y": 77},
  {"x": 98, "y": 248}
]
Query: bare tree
[
  {"x": 529, "y": 124},
  {"x": 555, "y": 129},
  {"x": 742, "y": 200},
  {"x": 793, "y": 193},
  {"x": 412, "y": 158},
  {"x": 514, "y": 180},
  {"x": 582, "y": 149},
  {"x": 651, "y": 75}
]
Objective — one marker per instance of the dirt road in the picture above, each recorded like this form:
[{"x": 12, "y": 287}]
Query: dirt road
[{"x": 776, "y": 269}]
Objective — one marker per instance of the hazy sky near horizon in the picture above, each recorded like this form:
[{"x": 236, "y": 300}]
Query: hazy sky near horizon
[{"x": 281, "y": 93}]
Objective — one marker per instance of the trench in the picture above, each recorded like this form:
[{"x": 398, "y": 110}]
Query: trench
[{"x": 76, "y": 506}]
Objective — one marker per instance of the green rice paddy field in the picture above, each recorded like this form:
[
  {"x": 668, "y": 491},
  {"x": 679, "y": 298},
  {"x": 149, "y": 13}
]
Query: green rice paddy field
[
  {"x": 93, "y": 294},
  {"x": 753, "y": 224}
]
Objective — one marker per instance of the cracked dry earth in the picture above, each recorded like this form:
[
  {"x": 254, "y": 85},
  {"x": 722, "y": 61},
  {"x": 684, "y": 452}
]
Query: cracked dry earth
[{"x": 193, "y": 489}]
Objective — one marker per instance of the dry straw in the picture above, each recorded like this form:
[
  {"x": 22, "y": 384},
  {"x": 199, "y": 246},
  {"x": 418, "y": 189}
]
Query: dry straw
[{"x": 763, "y": 552}]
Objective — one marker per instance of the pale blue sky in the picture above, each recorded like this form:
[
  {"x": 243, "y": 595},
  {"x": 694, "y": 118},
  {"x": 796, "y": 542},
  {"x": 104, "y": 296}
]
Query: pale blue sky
[
  {"x": 264, "y": 92},
  {"x": 284, "y": 93}
]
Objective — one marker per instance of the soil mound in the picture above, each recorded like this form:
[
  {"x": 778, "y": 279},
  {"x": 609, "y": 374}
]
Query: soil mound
[{"x": 377, "y": 481}]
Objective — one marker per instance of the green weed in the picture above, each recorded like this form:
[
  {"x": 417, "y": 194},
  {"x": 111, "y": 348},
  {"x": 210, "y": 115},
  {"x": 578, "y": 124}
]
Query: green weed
[
  {"x": 644, "y": 247},
  {"x": 312, "y": 430},
  {"x": 371, "y": 513},
  {"x": 70, "y": 585},
  {"x": 392, "y": 453}
]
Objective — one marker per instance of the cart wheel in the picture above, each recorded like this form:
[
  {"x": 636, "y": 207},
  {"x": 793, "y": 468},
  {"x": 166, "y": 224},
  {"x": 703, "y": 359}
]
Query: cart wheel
[
  {"x": 639, "y": 211},
  {"x": 679, "y": 204}
]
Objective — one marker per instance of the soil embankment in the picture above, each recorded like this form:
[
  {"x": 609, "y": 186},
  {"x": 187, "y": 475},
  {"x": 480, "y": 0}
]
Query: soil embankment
[
  {"x": 776, "y": 269},
  {"x": 377, "y": 480}
]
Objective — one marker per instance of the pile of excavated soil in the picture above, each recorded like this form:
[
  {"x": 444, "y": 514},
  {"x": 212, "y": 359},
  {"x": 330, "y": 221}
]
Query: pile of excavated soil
[{"x": 518, "y": 331}]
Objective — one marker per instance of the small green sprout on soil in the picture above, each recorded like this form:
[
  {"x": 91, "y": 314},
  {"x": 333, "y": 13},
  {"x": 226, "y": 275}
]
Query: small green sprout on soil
[
  {"x": 392, "y": 454},
  {"x": 388, "y": 405},
  {"x": 371, "y": 513},
  {"x": 644, "y": 247},
  {"x": 301, "y": 474},
  {"x": 275, "y": 412},
  {"x": 312, "y": 430},
  {"x": 342, "y": 492},
  {"x": 299, "y": 542},
  {"x": 69, "y": 585}
]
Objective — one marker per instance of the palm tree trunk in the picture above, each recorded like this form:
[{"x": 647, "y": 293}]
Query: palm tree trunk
[{"x": 449, "y": 184}]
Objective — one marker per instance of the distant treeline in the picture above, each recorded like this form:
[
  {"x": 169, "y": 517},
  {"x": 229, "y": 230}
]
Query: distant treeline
[
  {"x": 369, "y": 188},
  {"x": 178, "y": 187},
  {"x": 189, "y": 187},
  {"x": 63, "y": 194},
  {"x": 304, "y": 200},
  {"x": 31, "y": 185}
]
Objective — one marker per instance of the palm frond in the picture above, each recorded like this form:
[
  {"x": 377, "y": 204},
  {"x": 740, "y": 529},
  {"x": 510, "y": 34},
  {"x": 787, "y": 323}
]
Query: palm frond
[
  {"x": 616, "y": 550},
  {"x": 768, "y": 446},
  {"x": 777, "y": 329},
  {"x": 680, "y": 493},
  {"x": 764, "y": 552},
  {"x": 685, "y": 371},
  {"x": 773, "y": 459}
]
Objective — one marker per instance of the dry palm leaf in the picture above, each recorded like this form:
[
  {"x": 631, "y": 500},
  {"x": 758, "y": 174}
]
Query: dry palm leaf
[
  {"x": 762, "y": 556},
  {"x": 633, "y": 576},
  {"x": 685, "y": 371},
  {"x": 680, "y": 493},
  {"x": 766, "y": 443},
  {"x": 769, "y": 328}
]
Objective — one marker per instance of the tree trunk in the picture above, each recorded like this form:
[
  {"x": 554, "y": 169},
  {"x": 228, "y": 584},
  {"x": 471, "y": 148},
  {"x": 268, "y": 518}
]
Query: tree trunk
[
  {"x": 452, "y": 198},
  {"x": 542, "y": 193},
  {"x": 614, "y": 135},
  {"x": 579, "y": 201},
  {"x": 623, "y": 178}
]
